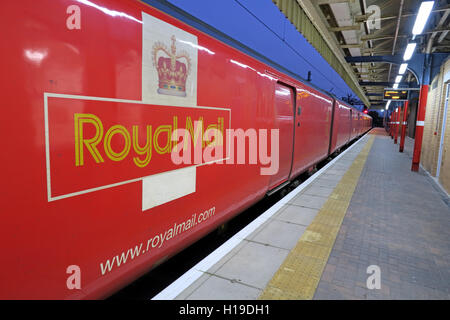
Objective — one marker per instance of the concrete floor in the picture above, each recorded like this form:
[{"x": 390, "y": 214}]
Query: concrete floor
[{"x": 398, "y": 220}]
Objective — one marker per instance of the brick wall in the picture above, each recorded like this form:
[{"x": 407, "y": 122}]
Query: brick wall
[{"x": 433, "y": 128}]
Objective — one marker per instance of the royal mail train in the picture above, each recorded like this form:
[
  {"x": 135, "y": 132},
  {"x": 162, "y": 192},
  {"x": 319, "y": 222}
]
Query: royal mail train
[{"x": 128, "y": 134}]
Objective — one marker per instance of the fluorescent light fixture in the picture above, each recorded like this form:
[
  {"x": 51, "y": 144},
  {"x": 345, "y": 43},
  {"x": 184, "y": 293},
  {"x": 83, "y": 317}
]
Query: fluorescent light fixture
[
  {"x": 422, "y": 16},
  {"x": 395, "y": 86},
  {"x": 398, "y": 79},
  {"x": 409, "y": 51},
  {"x": 387, "y": 104},
  {"x": 402, "y": 68}
]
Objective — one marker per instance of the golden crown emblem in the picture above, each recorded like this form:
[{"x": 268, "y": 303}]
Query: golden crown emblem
[{"x": 173, "y": 68}]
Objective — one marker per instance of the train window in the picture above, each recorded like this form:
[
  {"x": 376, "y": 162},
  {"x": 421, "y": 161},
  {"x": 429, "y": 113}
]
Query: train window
[{"x": 299, "y": 110}]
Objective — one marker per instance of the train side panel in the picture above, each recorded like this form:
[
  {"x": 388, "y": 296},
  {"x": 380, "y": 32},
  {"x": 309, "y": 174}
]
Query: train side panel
[
  {"x": 91, "y": 149},
  {"x": 360, "y": 124},
  {"x": 66, "y": 209},
  {"x": 312, "y": 128},
  {"x": 354, "y": 125},
  {"x": 341, "y": 126}
]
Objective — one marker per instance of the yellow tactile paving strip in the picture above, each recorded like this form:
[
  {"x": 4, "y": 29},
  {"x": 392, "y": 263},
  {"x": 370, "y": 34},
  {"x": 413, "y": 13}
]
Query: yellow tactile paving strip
[{"x": 300, "y": 273}]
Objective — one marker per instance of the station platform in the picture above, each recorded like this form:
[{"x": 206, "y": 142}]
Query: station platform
[{"x": 363, "y": 211}]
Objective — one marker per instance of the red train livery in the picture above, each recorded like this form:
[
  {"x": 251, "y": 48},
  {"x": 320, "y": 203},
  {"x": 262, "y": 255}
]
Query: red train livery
[{"x": 92, "y": 92}]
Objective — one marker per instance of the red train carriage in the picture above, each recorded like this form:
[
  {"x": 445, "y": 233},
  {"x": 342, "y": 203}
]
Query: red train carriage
[{"x": 93, "y": 92}]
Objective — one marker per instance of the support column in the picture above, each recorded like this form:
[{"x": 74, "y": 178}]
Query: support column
[
  {"x": 419, "y": 127},
  {"x": 404, "y": 122},
  {"x": 397, "y": 121},
  {"x": 393, "y": 117},
  {"x": 391, "y": 125}
]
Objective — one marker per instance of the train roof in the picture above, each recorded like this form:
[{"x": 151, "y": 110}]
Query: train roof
[{"x": 201, "y": 26}]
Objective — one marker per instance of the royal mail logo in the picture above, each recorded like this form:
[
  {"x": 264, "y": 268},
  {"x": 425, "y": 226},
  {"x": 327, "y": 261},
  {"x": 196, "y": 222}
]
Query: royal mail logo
[{"x": 96, "y": 143}]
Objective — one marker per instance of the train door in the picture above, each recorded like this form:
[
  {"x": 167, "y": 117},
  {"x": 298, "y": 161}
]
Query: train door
[
  {"x": 335, "y": 115},
  {"x": 312, "y": 128},
  {"x": 350, "y": 135},
  {"x": 284, "y": 121},
  {"x": 360, "y": 125}
]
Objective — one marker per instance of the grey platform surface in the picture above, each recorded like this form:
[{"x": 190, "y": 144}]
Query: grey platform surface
[{"x": 398, "y": 220}]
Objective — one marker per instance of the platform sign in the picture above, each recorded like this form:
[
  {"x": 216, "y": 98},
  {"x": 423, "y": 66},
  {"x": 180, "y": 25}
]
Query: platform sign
[{"x": 396, "y": 95}]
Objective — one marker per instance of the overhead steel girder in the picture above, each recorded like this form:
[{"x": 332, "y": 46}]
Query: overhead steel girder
[
  {"x": 384, "y": 83},
  {"x": 423, "y": 66}
]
